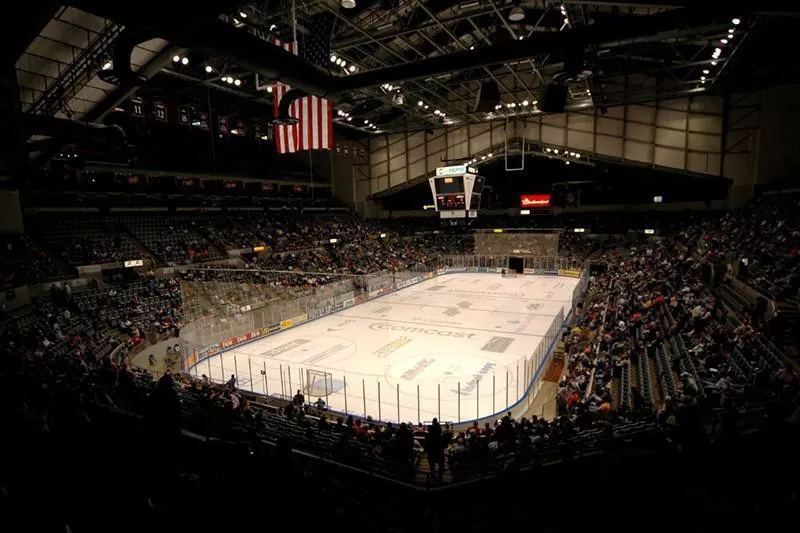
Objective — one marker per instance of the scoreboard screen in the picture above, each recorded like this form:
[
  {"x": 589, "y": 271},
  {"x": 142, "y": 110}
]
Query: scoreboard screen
[
  {"x": 450, "y": 185},
  {"x": 451, "y": 201}
]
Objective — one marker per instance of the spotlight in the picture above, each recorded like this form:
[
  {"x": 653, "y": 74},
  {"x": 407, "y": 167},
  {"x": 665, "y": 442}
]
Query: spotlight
[
  {"x": 344, "y": 63},
  {"x": 243, "y": 14},
  {"x": 237, "y": 82},
  {"x": 108, "y": 65},
  {"x": 366, "y": 121},
  {"x": 555, "y": 151},
  {"x": 521, "y": 37},
  {"x": 348, "y": 4},
  {"x": 705, "y": 71},
  {"x": 273, "y": 27},
  {"x": 736, "y": 21},
  {"x": 352, "y": 68},
  {"x": 577, "y": 155},
  {"x": 176, "y": 59},
  {"x": 472, "y": 47},
  {"x": 525, "y": 103},
  {"x": 349, "y": 119},
  {"x": 420, "y": 103},
  {"x": 269, "y": 89},
  {"x": 566, "y": 162},
  {"x": 483, "y": 158},
  {"x": 490, "y": 154},
  {"x": 718, "y": 51},
  {"x": 436, "y": 112},
  {"x": 333, "y": 59},
  {"x": 426, "y": 106},
  {"x": 724, "y": 41},
  {"x": 184, "y": 61},
  {"x": 702, "y": 78},
  {"x": 549, "y": 150},
  {"x": 713, "y": 62},
  {"x": 209, "y": 69},
  {"x": 229, "y": 79}
]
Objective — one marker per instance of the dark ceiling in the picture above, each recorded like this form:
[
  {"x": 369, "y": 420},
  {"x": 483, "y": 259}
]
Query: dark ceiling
[{"x": 408, "y": 64}]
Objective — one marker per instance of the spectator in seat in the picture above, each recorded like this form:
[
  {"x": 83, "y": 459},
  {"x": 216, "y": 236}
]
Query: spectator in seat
[{"x": 231, "y": 384}]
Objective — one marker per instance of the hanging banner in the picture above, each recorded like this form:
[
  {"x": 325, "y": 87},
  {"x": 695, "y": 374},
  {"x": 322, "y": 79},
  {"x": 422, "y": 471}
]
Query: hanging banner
[
  {"x": 223, "y": 126},
  {"x": 137, "y": 108},
  {"x": 185, "y": 116},
  {"x": 203, "y": 120},
  {"x": 160, "y": 110}
]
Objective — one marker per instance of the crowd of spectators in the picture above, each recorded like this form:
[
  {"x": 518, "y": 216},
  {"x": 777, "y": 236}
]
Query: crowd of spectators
[{"x": 646, "y": 315}]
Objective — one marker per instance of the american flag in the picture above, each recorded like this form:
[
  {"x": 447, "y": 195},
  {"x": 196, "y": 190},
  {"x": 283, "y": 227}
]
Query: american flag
[{"x": 315, "y": 129}]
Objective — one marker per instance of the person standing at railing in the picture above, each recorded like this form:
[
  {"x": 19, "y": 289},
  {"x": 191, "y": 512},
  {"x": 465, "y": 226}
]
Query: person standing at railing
[{"x": 434, "y": 447}]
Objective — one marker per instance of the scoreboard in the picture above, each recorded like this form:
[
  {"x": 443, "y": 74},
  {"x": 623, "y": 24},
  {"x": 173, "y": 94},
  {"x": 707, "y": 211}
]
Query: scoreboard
[{"x": 457, "y": 191}]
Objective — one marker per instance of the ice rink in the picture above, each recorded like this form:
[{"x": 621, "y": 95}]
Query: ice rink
[{"x": 456, "y": 335}]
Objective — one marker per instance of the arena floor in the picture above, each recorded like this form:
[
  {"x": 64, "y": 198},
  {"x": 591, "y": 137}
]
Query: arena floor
[{"x": 464, "y": 333}]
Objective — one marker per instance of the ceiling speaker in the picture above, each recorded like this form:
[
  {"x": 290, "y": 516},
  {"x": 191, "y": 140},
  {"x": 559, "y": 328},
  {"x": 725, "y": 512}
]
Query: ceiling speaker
[
  {"x": 487, "y": 98},
  {"x": 554, "y": 99}
]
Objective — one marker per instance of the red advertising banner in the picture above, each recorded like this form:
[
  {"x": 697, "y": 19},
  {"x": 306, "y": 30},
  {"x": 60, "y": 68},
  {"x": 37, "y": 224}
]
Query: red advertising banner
[{"x": 534, "y": 201}]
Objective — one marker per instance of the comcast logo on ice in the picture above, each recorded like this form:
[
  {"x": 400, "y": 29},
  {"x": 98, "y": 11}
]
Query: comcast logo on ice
[{"x": 424, "y": 331}]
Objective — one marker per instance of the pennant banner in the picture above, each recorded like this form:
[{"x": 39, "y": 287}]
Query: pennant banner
[{"x": 160, "y": 110}]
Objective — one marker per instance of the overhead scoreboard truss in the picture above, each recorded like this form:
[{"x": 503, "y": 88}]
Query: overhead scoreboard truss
[{"x": 457, "y": 191}]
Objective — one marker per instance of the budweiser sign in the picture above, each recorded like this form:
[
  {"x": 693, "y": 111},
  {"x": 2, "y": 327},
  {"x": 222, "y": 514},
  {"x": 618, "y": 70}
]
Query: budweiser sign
[{"x": 534, "y": 200}]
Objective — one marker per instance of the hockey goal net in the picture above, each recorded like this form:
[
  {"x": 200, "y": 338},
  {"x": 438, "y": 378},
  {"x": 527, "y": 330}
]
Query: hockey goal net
[
  {"x": 509, "y": 273},
  {"x": 318, "y": 383}
]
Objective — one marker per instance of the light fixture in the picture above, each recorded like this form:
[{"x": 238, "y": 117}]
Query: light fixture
[
  {"x": 273, "y": 27},
  {"x": 525, "y": 103},
  {"x": 705, "y": 71},
  {"x": 229, "y": 79},
  {"x": 717, "y": 51},
  {"x": 348, "y": 4},
  {"x": 555, "y": 151},
  {"x": 713, "y": 62},
  {"x": 736, "y": 21},
  {"x": 521, "y": 37},
  {"x": 269, "y": 89},
  {"x": 344, "y": 63},
  {"x": 333, "y": 59},
  {"x": 549, "y": 150},
  {"x": 472, "y": 47},
  {"x": 516, "y": 14},
  {"x": 577, "y": 155},
  {"x": 483, "y": 158},
  {"x": 566, "y": 162},
  {"x": 243, "y": 14},
  {"x": 426, "y": 106},
  {"x": 366, "y": 121},
  {"x": 724, "y": 41},
  {"x": 184, "y": 61},
  {"x": 176, "y": 59},
  {"x": 420, "y": 103},
  {"x": 237, "y": 82},
  {"x": 349, "y": 119},
  {"x": 209, "y": 69},
  {"x": 436, "y": 112},
  {"x": 731, "y": 30},
  {"x": 352, "y": 68},
  {"x": 702, "y": 78},
  {"x": 490, "y": 154},
  {"x": 108, "y": 65}
]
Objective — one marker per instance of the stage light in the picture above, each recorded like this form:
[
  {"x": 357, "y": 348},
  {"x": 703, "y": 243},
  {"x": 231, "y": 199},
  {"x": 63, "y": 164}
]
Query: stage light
[
  {"x": 490, "y": 154},
  {"x": 352, "y": 68},
  {"x": 420, "y": 103},
  {"x": 333, "y": 59},
  {"x": 237, "y": 82},
  {"x": 243, "y": 14},
  {"x": 724, "y": 41},
  {"x": 185, "y": 61},
  {"x": 209, "y": 69},
  {"x": 269, "y": 89},
  {"x": 705, "y": 71},
  {"x": 555, "y": 151},
  {"x": 525, "y": 103},
  {"x": 348, "y": 4},
  {"x": 176, "y": 59},
  {"x": 736, "y": 21},
  {"x": 108, "y": 65},
  {"x": 516, "y": 14}
]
